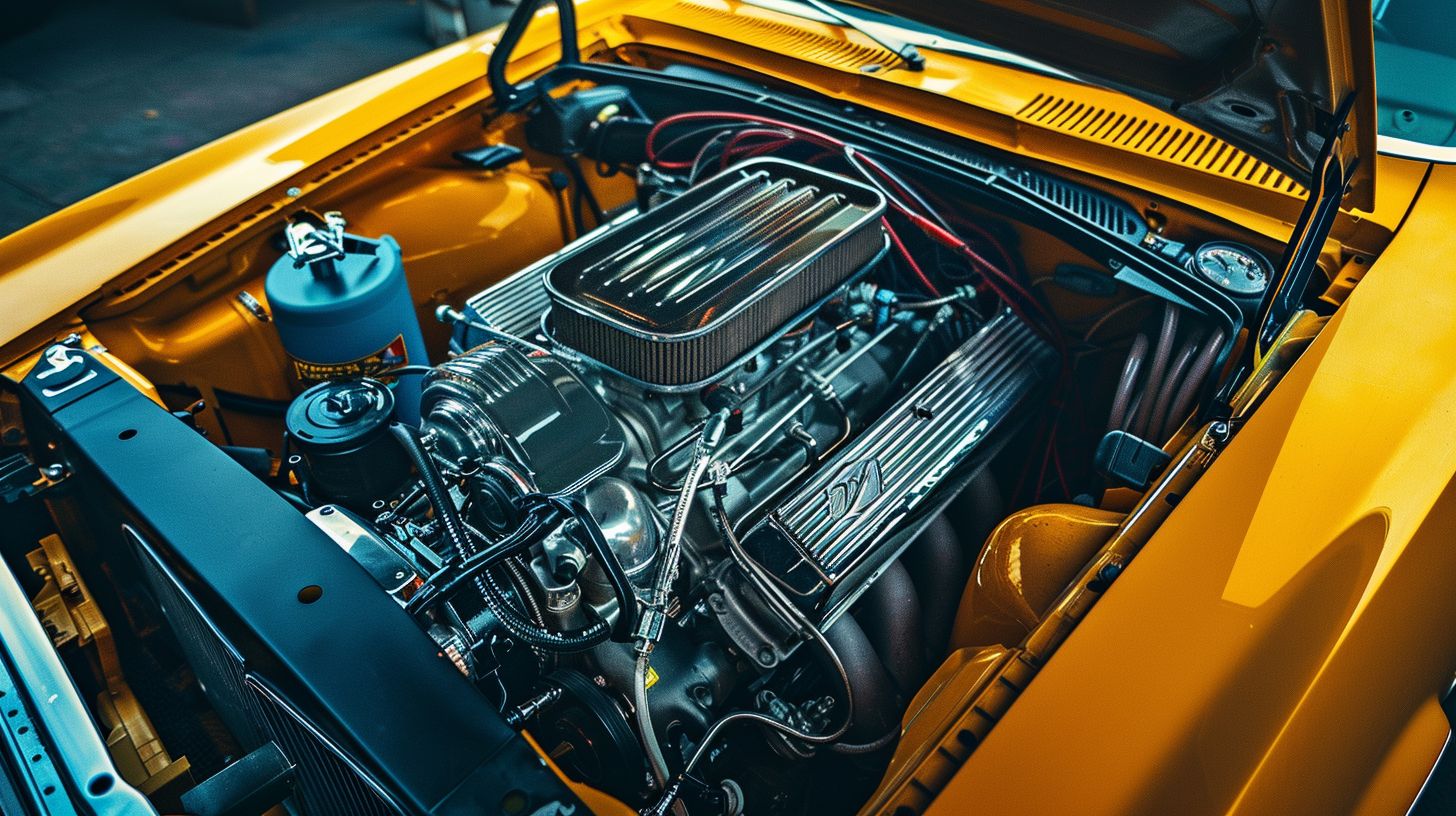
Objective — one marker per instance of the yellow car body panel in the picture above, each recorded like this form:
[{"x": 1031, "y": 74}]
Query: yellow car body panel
[
  {"x": 1270, "y": 644},
  {"x": 1277, "y": 646}
]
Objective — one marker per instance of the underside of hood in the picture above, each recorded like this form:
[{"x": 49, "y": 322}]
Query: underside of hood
[{"x": 1269, "y": 76}]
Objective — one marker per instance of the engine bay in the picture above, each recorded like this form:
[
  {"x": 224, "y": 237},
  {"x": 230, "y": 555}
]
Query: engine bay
[
  {"x": 696, "y": 473},
  {"x": 724, "y": 418}
]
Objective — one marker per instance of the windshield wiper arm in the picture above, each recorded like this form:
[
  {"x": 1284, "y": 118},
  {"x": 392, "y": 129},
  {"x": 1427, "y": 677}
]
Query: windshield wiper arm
[{"x": 908, "y": 53}]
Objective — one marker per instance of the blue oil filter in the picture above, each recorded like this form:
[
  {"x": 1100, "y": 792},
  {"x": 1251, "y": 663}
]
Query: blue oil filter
[{"x": 343, "y": 310}]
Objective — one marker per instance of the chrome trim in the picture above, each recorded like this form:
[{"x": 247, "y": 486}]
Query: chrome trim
[
  {"x": 912, "y": 447},
  {"x": 1407, "y": 149},
  {"x": 1431, "y": 774},
  {"x": 826, "y": 541},
  {"x": 511, "y": 304},
  {"x": 586, "y": 361},
  {"x": 1446, "y": 708},
  {"x": 749, "y": 172},
  {"x": 64, "y": 719}
]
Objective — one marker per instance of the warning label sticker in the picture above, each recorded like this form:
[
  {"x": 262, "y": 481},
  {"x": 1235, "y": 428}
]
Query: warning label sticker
[{"x": 390, "y": 357}]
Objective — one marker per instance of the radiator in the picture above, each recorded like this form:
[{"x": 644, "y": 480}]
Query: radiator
[{"x": 329, "y": 782}]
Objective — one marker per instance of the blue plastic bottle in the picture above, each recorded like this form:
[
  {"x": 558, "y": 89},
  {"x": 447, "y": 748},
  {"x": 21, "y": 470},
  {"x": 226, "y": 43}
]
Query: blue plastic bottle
[{"x": 343, "y": 309}]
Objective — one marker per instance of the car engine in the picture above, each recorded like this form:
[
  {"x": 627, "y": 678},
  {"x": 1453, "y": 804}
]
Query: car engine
[
  {"x": 692, "y": 501},
  {"x": 667, "y": 460}
]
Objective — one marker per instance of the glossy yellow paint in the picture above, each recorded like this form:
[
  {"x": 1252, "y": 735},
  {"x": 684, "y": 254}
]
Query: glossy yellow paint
[
  {"x": 1023, "y": 567},
  {"x": 457, "y": 229},
  {"x": 930, "y": 748},
  {"x": 1418, "y": 747},
  {"x": 598, "y": 803},
  {"x": 1269, "y": 647}
]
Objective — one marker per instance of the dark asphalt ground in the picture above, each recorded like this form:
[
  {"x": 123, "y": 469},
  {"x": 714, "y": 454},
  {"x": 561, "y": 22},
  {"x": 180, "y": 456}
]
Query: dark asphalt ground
[{"x": 101, "y": 91}]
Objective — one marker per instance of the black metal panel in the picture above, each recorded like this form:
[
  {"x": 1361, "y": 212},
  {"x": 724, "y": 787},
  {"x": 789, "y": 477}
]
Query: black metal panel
[
  {"x": 352, "y": 661},
  {"x": 216, "y": 662},
  {"x": 329, "y": 783}
]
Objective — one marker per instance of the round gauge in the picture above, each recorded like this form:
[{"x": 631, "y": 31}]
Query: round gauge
[{"x": 1234, "y": 268}]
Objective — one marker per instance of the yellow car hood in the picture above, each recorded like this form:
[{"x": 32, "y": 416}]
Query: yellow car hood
[{"x": 1265, "y": 75}]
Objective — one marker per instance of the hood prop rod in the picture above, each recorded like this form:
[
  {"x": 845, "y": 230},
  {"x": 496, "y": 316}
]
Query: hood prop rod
[
  {"x": 1329, "y": 181},
  {"x": 514, "y": 96}
]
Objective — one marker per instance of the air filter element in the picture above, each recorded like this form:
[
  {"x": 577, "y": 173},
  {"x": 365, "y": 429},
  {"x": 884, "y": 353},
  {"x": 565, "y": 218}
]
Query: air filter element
[{"x": 674, "y": 297}]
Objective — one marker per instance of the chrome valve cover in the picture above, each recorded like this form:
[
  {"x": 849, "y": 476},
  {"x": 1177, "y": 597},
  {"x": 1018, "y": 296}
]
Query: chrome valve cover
[{"x": 826, "y": 537}]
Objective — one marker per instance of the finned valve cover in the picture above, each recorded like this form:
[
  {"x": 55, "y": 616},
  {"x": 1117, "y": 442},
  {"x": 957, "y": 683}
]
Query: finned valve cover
[{"x": 826, "y": 537}]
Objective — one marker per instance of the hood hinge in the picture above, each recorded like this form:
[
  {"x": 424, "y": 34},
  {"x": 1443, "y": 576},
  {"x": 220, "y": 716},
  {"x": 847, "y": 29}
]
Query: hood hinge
[{"x": 1328, "y": 184}]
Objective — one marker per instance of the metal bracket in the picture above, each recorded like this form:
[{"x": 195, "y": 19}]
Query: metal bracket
[
  {"x": 514, "y": 96},
  {"x": 69, "y": 614},
  {"x": 256, "y": 782},
  {"x": 1327, "y": 187}
]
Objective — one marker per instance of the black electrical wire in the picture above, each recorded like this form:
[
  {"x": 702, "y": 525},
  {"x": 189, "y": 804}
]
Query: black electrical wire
[
  {"x": 404, "y": 371},
  {"x": 915, "y": 196},
  {"x": 700, "y": 131},
  {"x": 457, "y": 572},
  {"x": 516, "y": 571},
  {"x": 704, "y": 152},
  {"x": 792, "y": 615},
  {"x": 294, "y": 499},
  {"x": 578, "y": 219},
  {"x": 434, "y": 486},
  {"x": 491, "y": 591},
  {"x": 920, "y": 343},
  {"x": 877, "y": 744},
  {"x": 456, "y": 317},
  {"x": 544, "y": 513}
]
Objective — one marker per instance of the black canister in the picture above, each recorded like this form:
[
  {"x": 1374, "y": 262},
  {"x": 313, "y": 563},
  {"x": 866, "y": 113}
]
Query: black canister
[{"x": 340, "y": 430}]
